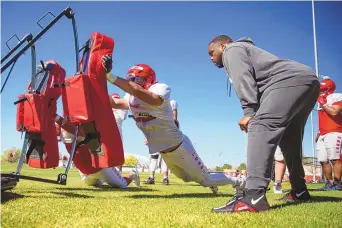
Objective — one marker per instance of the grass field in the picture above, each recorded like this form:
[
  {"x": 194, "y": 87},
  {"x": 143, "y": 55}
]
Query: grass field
[{"x": 34, "y": 204}]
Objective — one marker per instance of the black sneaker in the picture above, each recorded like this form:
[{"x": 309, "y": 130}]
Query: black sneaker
[
  {"x": 337, "y": 186},
  {"x": 166, "y": 181},
  {"x": 300, "y": 196},
  {"x": 327, "y": 187},
  {"x": 150, "y": 180},
  {"x": 252, "y": 201}
]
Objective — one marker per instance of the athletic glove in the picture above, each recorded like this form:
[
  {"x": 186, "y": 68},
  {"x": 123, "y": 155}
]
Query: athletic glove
[
  {"x": 322, "y": 100},
  {"x": 107, "y": 63}
]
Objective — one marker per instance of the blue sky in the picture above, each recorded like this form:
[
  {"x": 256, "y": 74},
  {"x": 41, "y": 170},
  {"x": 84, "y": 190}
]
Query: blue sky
[{"x": 172, "y": 37}]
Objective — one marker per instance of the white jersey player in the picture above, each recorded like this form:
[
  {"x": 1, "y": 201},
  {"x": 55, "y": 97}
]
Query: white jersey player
[
  {"x": 120, "y": 115},
  {"x": 149, "y": 102},
  {"x": 156, "y": 160},
  {"x": 329, "y": 137}
]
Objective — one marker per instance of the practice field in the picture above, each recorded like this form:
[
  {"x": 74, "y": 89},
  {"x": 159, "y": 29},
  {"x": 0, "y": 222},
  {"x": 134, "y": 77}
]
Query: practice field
[{"x": 34, "y": 204}]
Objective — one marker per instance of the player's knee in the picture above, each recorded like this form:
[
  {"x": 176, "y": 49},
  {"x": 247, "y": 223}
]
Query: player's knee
[
  {"x": 324, "y": 162},
  {"x": 335, "y": 161}
]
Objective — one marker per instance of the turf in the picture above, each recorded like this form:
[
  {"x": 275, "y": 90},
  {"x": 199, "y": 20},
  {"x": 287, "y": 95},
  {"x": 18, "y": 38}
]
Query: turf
[{"x": 34, "y": 204}]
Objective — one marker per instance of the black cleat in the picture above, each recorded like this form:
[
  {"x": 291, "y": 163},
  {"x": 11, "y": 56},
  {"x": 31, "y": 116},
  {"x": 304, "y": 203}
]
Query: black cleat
[
  {"x": 252, "y": 201},
  {"x": 150, "y": 180},
  {"x": 300, "y": 196},
  {"x": 166, "y": 181}
]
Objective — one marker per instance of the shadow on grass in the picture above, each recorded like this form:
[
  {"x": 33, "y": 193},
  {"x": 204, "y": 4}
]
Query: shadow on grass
[
  {"x": 185, "y": 195},
  {"x": 7, "y": 196},
  {"x": 109, "y": 189},
  {"x": 72, "y": 195},
  {"x": 65, "y": 194},
  {"x": 320, "y": 190},
  {"x": 181, "y": 184},
  {"x": 315, "y": 199}
]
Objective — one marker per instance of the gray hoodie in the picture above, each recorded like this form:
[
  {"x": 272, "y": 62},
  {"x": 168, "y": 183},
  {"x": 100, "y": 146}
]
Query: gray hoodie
[{"x": 254, "y": 71}]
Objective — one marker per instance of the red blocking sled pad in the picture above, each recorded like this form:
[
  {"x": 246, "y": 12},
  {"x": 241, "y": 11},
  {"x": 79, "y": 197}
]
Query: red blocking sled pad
[
  {"x": 86, "y": 102},
  {"x": 36, "y": 115}
]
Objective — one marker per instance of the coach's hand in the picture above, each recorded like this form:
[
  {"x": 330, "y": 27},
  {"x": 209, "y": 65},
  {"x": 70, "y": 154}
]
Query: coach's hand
[
  {"x": 243, "y": 123},
  {"x": 107, "y": 63}
]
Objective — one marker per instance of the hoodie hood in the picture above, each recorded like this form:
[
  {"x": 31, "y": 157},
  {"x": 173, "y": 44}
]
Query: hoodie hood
[{"x": 245, "y": 40}]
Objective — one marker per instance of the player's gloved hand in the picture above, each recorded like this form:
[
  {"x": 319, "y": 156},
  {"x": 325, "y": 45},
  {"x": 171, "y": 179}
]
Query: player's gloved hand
[
  {"x": 322, "y": 100},
  {"x": 107, "y": 63}
]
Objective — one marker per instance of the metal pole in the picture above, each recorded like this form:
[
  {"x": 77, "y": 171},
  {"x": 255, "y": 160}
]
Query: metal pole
[
  {"x": 54, "y": 21},
  {"x": 27, "y": 37},
  {"x": 317, "y": 74}
]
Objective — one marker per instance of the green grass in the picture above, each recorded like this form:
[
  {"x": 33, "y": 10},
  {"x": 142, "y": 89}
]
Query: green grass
[{"x": 34, "y": 204}]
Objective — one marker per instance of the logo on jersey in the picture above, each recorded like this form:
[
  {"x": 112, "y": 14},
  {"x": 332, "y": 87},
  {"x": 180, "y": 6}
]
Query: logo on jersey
[
  {"x": 135, "y": 105},
  {"x": 132, "y": 101}
]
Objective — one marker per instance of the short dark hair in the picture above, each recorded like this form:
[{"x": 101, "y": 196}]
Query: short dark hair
[{"x": 222, "y": 39}]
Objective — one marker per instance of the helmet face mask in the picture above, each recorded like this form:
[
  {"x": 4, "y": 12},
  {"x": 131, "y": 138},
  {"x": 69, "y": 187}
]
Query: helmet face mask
[
  {"x": 139, "y": 80},
  {"x": 142, "y": 74}
]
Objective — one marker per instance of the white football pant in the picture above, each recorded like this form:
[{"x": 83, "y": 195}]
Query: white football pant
[
  {"x": 109, "y": 175},
  {"x": 185, "y": 163},
  {"x": 329, "y": 147}
]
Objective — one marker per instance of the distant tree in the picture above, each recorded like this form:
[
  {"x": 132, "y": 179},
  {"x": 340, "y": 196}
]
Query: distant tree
[
  {"x": 218, "y": 169},
  {"x": 131, "y": 161},
  {"x": 16, "y": 154},
  {"x": 226, "y": 166},
  {"x": 242, "y": 166}
]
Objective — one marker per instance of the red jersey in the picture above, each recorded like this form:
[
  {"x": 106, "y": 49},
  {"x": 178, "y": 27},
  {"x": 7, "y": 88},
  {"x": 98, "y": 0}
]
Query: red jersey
[{"x": 327, "y": 123}]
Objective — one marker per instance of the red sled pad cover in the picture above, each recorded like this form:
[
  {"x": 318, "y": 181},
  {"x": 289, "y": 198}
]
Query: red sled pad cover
[
  {"x": 36, "y": 116},
  {"x": 110, "y": 153},
  {"x": 76, "y": 97},
  {"x": 56, "y": 77},
  {"x": 29, "y": 113}
]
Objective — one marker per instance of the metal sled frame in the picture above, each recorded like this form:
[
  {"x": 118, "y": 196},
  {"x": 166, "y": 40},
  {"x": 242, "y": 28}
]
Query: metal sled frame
[{"x": 62, "y": 177}]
